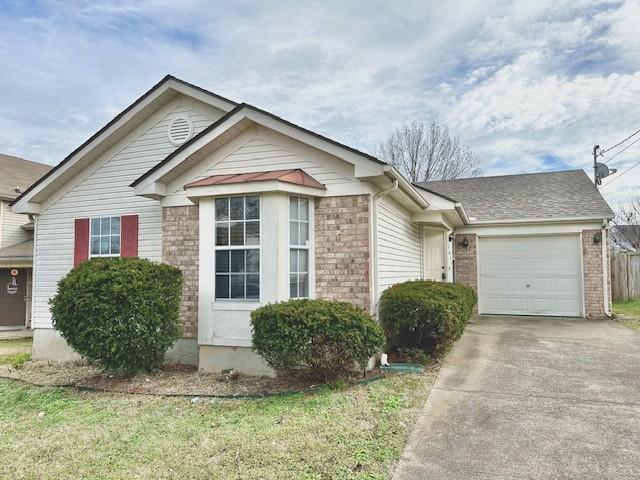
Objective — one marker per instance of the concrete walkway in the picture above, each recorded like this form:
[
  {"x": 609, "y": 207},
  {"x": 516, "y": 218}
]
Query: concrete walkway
[
  {"x": 10, "y": 334},
  {"x": 532, "y": 398}
]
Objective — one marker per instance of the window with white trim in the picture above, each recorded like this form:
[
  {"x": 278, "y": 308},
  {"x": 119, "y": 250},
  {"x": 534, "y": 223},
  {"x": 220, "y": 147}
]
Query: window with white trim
[
  {"x": 298, "y": 247},
  {"x": 237, "y": 245},
  {"x": 104, "y": 237}
]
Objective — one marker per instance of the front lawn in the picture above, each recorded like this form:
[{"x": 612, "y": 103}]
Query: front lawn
[
  {"x": 628, "y": 312},
  {"x": 341, "y": 432}
]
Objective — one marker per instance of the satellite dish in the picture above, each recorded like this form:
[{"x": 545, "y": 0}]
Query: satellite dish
[{"x": 602, "y": 171}]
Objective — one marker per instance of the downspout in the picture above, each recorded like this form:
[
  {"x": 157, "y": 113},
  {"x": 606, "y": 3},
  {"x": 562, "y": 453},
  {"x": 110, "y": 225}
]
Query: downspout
[
  {"x": 605, "y": 270},
  {"x": 374, "y": 244}
]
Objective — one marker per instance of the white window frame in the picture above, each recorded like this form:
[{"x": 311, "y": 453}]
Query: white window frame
[
  {"x": 298, "y": 247},
  {"x": 99, "y": 235},
  {"x": 257, "y": 247}
]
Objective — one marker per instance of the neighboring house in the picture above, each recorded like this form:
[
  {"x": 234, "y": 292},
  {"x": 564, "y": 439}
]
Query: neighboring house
[
  {"x": 255, "y": 209},
  {"x": 16, "y": 242},
  {"x": 625, "y": 238}
]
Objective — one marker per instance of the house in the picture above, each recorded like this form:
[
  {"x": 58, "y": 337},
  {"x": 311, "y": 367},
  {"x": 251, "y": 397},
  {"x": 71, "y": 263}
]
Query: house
[
  {"x": 255, "y": 209},
  {"x": 16, "y": 242}
]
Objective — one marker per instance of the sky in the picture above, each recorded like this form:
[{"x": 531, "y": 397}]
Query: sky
[{"x": 529, "y": 86}]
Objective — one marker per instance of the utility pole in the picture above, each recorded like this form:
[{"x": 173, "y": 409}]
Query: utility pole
[{"x": 596, "y": 180}]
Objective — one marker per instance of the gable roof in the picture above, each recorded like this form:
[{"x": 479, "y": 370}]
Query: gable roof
[
  {"x": 238, "y": 108},
  {"x": 532, "y": 196},
  {"x": 158, "y": 90},
  {"x": 292, "y": 175},
  {"x": 16, "y": 172}
]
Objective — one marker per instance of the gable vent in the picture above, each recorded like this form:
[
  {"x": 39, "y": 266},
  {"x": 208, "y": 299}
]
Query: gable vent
[{"x": 180, "y": 130}]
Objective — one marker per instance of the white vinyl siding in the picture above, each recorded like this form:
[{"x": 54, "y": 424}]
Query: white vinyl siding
[
  {"x": 399, "y": 245},
  {"x": 105, "y": 192},
  {"x": 259, "y": 155},
  {"x": 11, "y": 229}
]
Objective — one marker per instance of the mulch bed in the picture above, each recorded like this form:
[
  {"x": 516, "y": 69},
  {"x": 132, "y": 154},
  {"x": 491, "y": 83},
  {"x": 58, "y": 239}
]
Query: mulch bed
[{"x": 171, "y": 380}]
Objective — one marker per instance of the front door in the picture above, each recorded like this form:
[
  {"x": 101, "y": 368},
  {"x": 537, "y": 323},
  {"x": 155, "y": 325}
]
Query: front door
[
  {"x": 13, "y": 297},
  {"x": 434, "y": 264}
]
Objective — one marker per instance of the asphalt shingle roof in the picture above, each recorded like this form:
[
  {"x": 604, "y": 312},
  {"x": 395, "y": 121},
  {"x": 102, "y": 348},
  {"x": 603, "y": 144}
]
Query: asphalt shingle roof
[
  {"x": 18, "y": 172},
  {"x": 549, "y": 195}
]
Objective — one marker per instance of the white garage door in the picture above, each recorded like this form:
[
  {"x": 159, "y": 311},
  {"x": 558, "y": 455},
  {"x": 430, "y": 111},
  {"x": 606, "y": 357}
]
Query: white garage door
[{"x": 530, "y": 276}]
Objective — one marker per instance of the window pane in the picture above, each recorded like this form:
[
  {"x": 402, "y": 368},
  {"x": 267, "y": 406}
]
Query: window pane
[
  {"x": 303, "y": 261},
  {"x": 303, "y": 285},
  {"x": 253, "y": 233},
  {"x": 293, "y": 285},
  {"x": 115, "y": 225},
  {"x": 95, "y": 226},
  {"x": 304, "y": 209},
  {"x": 293, "y": 233},
  {"x": 222, "y": 286},
  {"x": 237, "y": 261},
  {"x": 95, "y": 245},
  {"x": 105, "y": 226},
  {"x": 237, "y": 208},
  {"x": 293, "y": 260},
  {"x": 253, "y": 261},
  {"x": 222, "y": 234},
  {"x": 253, "y": 287},
  {"x": 253, "y": 208},
  {"x": 115, "y": 244},
  {"x": 222, "y": 209},
  {"x": 237, "y": 286},
  {"x": 304, "y": 233},
  {"x": 293, "y": 208},
  {"x": 222, "y": 261},
  {"x": 237, "y": 233},
  {"x": 104, "y": 245}
]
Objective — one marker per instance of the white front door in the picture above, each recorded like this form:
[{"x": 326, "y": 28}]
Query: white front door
[
  {"x": 434, "y": 254},
  {"x": 538, "y": 275}
]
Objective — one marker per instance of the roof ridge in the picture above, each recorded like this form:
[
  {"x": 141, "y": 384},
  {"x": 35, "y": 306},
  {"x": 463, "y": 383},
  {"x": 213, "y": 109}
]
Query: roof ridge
[{"x": 501, "y": 176}]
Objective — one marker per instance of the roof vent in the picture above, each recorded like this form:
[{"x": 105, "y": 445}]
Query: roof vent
[{"x": 180, "y": 130}]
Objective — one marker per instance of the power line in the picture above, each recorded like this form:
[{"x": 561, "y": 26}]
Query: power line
[
  {"x": 622, "y": 174},
  {"x": 621, "y": 142},
  {"x": 620, "y": 151}
]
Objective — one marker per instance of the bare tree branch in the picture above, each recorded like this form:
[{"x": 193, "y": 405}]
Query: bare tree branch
[
  {"x": 430, "y": 152},
  {"x": 629, "y": 214}
]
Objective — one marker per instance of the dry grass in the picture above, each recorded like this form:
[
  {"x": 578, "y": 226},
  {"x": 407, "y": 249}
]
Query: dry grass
[
  {"x": 353, "y": 432},
  {"x": 10, "y": 348}
]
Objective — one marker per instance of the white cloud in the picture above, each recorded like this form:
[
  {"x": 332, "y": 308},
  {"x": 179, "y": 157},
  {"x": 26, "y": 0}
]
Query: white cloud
[{"x": 519, "y": 80}]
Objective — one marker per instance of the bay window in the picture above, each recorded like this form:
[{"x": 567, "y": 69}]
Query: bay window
[
  {"x": 298, "y": 247},
  {"x": 237, "y": 248}
]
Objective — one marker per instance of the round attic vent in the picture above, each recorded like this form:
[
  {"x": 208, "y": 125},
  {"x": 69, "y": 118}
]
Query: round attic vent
[{"x": 180, "y": 130}]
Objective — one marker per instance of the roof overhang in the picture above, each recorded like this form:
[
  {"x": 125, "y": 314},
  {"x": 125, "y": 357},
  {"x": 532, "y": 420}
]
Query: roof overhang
[
  {"x": 133, "y": 116},
  {"x": 195, "y": 193}
]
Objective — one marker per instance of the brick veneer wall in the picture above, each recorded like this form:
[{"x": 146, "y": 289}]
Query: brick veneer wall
[
  {"x": 466, "y": 265},
  {"x": 342, "y": 249},
  {"x": 180, "y": 248},
  {"x": 592, "y": 271}
]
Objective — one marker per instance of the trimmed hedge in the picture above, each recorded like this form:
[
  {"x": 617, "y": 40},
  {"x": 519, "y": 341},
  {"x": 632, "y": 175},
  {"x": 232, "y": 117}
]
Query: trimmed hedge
[
  {"x": 425, "y": 314},
  {"x": 315, "y": 338},
  {"x": 119, "y": 313}
]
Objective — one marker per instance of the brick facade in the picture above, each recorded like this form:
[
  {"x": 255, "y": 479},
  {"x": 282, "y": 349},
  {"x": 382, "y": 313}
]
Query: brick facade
[
  {"x": 466, "y": 265},
  {"x": 592, "y": 271},
  {"x": 180, "y": 248},
  {"x": 342, "y": 249}
]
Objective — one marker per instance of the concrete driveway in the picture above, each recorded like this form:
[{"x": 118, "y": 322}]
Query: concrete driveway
[{"x": 532, "y": 398}]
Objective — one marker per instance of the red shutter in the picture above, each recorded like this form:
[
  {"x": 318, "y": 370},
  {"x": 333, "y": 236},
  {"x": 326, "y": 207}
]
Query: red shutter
[
  {"x": 81, "y": 241},
  {"x": 129, "y": 236}
]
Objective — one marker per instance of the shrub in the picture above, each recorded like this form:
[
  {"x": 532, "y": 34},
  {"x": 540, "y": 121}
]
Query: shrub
[
  {"x": 19, "y": 359},
  {"x": 315, "y": 338},
  {"x": 120, "y": 313},
  {"x": 426, "y": 315}
]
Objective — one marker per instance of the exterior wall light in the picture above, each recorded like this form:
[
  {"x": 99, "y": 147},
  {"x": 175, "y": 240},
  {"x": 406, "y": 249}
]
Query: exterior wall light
[
  {"x": 464, "y": 242},
  {"x": 597, "y": 238}
]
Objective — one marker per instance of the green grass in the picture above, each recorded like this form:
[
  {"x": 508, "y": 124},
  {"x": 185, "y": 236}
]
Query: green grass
[
  {"x": 11, "y": 350},
  {"x": 337, "y": 433},
  {"x": 628, "y": 312}
]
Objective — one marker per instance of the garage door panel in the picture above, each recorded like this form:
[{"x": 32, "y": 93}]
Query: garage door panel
[{"x": 530, "y": 275}]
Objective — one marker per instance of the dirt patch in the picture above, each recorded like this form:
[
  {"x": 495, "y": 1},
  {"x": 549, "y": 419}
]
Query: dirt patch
[{"x": 171, "y": 380}]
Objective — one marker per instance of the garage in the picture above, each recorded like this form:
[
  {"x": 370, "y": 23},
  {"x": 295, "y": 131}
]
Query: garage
[{"x": 530, "y": 275}]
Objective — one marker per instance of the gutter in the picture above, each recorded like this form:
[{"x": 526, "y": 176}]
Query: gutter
[
  {"x": 605, "y": 268},
  {"x": 373, "y": 242}
]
